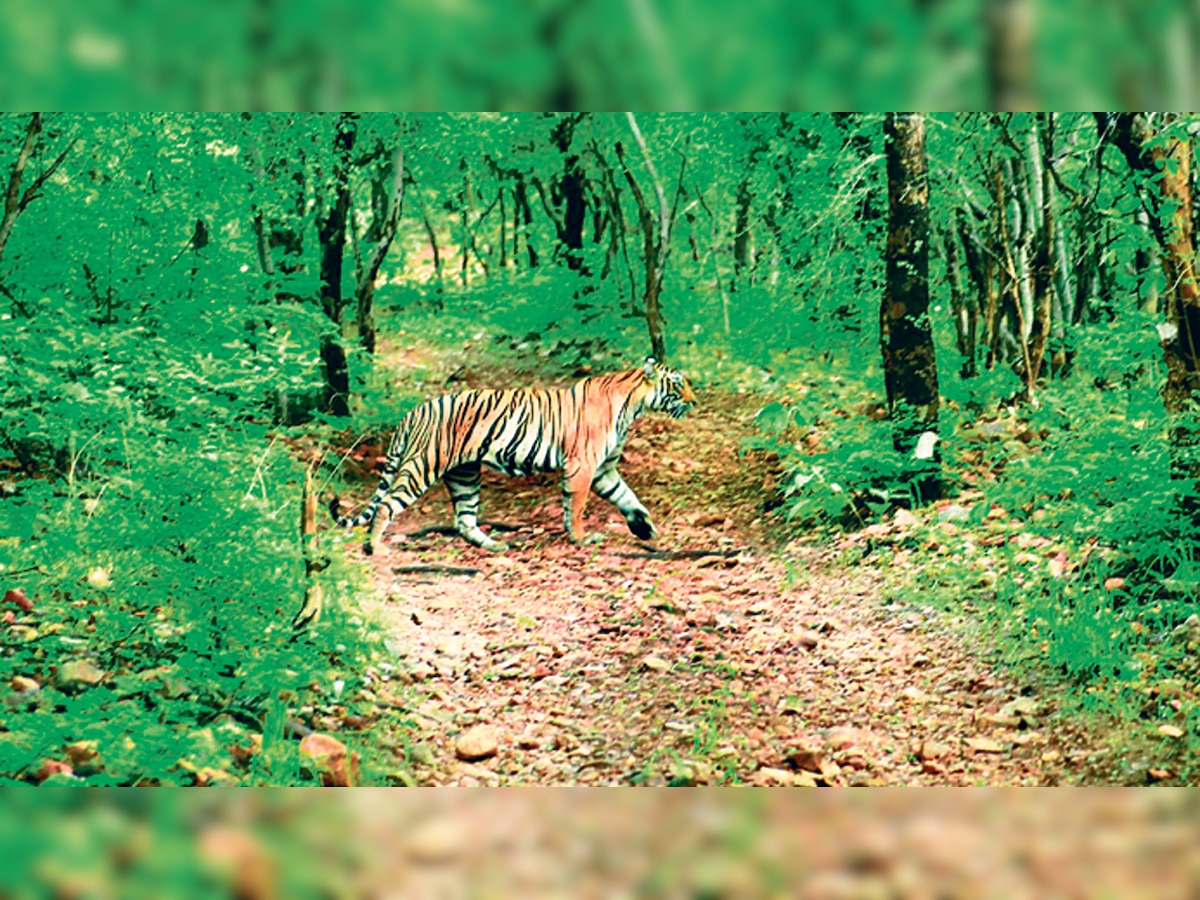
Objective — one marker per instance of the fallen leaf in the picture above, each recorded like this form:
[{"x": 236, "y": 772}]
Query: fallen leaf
[{"x": 17, "y": 598}]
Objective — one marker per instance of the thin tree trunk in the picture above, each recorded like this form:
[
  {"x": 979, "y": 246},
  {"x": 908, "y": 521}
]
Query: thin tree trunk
[
  {"x": 906, "y": 337},
  {"x": 365, "y": 287},
  {"x": 1009, "y": 25},
  {"x": 331, "y": 231},
  {"x": 1043, "y": 257}
]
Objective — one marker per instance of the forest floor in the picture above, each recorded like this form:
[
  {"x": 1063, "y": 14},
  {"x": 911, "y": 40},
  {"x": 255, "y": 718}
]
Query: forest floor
[{"x": 723, "y": 653}]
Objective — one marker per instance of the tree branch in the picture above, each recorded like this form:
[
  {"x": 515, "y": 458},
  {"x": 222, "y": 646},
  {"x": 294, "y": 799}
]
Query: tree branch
[{"x": 12, "y": 202}]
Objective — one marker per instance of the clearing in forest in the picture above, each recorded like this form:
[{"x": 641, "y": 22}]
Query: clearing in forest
[{"x": 721, "y": 654}]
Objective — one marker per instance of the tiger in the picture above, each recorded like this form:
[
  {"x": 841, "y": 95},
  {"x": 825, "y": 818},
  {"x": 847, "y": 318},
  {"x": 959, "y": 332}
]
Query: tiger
[{"x": 580, "y": 430}]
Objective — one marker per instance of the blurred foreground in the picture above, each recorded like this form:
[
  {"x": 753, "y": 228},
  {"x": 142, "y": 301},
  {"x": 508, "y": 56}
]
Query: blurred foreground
[{"x": 596, "y": 843}]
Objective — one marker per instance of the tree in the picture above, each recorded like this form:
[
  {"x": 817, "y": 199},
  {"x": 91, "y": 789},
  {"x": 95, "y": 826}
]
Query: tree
[
  {"x": 909, "y": 363},
  {"x": 1161, "y": 154}
]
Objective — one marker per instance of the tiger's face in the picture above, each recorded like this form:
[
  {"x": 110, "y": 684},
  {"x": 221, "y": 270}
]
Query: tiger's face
[{"x": 670, "y": 393}]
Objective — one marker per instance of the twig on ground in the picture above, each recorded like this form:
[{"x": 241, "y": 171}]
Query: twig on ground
[
  {"x": 683, "y": 554},
  {"x": 432, "y": 569}
]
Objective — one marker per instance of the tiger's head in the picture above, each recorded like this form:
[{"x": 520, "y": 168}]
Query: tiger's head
[{"x": 670, "y": 391}]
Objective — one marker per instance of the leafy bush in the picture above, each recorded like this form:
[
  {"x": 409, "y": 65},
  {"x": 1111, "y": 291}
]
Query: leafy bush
[{"x": 152, "y": 522}]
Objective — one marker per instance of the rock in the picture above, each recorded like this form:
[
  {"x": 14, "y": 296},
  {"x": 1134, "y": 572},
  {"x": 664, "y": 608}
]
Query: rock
[
  {"x": 1171, "y": 731},
  {"x": 842, "y": 737},
  {"x": 805, "y": 758},
  {"x": 479, "y": 742},
  {"x": 984, "y": 745},
  {"x": 1000, "y": 720},
  {"x": 1021, "y": 708},
  {"x": 436, "y": 842},
  {"x": 953, "y": 513},
  {"x": 77, "y": 675},
  {"x": 932, "y": 750},
  {"x": 17, "y": 598},
  {"x": 336, "y": 767},
  {"x": 655, "y": 664},
  {"x": 915, "y": 694},
  {"x": 768, "y": 776},
  {"x": 806, "y": 639},
  {"x": 421, "y": 755},
  {"x": 904, "y": 518},
  {"x": 52, "y": 767},
  {"x": 932, "y": 767},
  {"x": 1188, "y": 631},
  {"x": 23, "y": 685},
  {"x": 241, "y": 856}
]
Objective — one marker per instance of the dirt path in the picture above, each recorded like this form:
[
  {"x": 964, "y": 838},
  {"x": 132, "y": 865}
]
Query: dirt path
[{"x": 556, "y": 665}]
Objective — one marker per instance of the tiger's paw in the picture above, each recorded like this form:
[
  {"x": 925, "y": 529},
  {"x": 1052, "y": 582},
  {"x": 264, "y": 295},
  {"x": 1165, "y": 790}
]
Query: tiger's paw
[
  {"x": 494, "y": 546},
  {"x": 641, "y": 526}
]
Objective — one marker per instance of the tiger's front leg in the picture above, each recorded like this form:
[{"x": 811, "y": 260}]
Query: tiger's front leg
[
  {"x": 577, "y": 480},
  {"x": 609, "y": 484},
  {"x": 463, "y": 484}
]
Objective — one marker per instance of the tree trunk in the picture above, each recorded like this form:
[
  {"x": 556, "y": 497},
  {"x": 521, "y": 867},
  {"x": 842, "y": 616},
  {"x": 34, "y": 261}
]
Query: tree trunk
[
  {"x": 569, "y": 193},
  {"x": 331, "y": 231},
  {"x": 1043, "y": 250},
  {"x": 1165, "y": 156},
  {"x": 521, "y": 204},
  {"x": 906, "y": 338},
  {"x": 1009, "y": 25},
  {"x": 656, "y": 235},
  {"x": 385, "y": 232}
]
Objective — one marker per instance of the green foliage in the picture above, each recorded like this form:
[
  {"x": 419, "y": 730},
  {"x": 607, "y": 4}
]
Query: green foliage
[{"x": 323, "y": 55}]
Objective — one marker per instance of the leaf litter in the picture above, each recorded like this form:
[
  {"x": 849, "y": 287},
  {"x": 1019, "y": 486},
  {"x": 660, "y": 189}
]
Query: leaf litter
[{"x": 610, "y": 665}]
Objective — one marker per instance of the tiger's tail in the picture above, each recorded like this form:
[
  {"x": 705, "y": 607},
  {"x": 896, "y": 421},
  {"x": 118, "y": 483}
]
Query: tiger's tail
[{"x": 367, "y": 516}]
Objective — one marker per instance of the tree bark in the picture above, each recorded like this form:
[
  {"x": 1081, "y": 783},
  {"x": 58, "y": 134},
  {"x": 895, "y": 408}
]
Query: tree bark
[
  {"x": 331, "y": 231},
  {"x": 1164, "y": 155},
  {"x": 1009, "y": 25},
  {"x": 906, "y": 338},
  {"x": 656, "y": 236},
  {"x": 364, "y": 291}
]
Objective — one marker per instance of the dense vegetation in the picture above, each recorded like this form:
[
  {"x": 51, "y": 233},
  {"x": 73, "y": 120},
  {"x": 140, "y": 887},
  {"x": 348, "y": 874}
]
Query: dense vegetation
[{"x": 186, "y": 298}]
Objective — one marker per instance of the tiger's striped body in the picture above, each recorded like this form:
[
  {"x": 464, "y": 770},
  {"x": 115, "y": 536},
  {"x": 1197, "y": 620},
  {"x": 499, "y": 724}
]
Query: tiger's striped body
[{"x": 579, "y": 430}]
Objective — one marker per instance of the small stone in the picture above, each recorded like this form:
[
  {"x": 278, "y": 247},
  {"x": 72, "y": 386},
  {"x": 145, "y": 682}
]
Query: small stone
[
  {"x": 421, "y": 755},
  {"x": 329, "y": 756},
  {"x": 479, "y": 742},
  {"x": 932, "y": 750},
  {"x": 435, "y": 842},
  {"x": 805, "y": 758},
  {"x": 1171, "y": 731},
  {"x": 77, "y": 675},
  {"x": 953, "y": 513},
  {"x": 655, "y": 664},
  {"x": 768, "y": 775},
  {"x": 23, "y": 685},
  {"x": 984, "y": 745},
  {"x": 806, "y": 639},
  {"x": 842, "y": 737}
]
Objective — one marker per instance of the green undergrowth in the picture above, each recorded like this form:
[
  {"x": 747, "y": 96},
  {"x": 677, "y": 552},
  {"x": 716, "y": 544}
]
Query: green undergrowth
[
  {"x": 151, "y": 561},
  {"x": 1058, "y": 546}
]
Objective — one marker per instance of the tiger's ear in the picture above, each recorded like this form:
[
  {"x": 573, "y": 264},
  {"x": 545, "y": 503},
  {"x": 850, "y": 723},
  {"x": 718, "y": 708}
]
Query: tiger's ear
[{"x": 648, "y": 366}]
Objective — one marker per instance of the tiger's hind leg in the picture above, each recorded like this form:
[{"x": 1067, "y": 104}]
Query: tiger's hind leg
[
  {"x": 463, "y": 484},
  {"x": 609, "y": 484}
]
